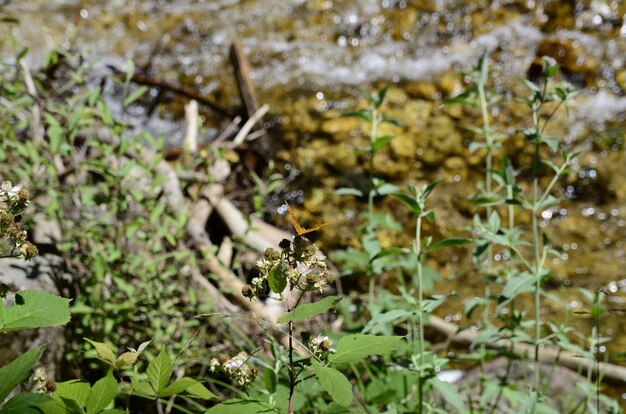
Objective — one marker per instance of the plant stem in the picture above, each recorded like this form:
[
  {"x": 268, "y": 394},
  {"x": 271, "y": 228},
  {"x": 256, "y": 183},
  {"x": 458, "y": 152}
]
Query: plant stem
[
  {"x": 292, "y": 376},
  {"x": 536, "y": 244},
  {"x": 488, "y": 179},
  {"x": 420, "y": 298}
]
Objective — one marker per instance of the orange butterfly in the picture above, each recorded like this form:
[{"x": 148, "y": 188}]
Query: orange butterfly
[{"x": 299, "y": 229}]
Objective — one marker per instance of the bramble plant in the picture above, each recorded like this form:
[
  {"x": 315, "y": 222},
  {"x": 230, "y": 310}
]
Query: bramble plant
[{"x": 124, "y": 246}]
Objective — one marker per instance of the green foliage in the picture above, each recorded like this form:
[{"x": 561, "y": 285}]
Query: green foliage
[
  {"x": 34, "y": 309},
  {"x": 122, "y": 244},
  {"x": 17, "y": 370},
  {"x": 354, "y": 348}
]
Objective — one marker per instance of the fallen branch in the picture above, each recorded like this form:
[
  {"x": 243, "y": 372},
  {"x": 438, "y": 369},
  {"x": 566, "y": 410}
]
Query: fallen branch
[
  {"x": 178, "y": 90},
  {"x": 244, "y": 83},
  {"x": 608, "y": 372}
]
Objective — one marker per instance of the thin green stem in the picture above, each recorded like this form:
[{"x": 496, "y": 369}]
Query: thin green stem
[
  {"x": 420, "y": 298},
  {"x": 488, "y": 184}
]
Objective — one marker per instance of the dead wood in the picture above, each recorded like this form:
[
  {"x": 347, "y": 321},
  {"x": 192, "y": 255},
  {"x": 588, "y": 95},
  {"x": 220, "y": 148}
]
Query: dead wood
[
  {"x": 244, "y": 83},
  {"x": 178, "y": 90},
  {"x": 609, "y": 372}
]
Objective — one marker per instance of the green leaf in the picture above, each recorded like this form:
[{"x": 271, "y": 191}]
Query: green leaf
[
  {"x": 270, "y": 380},
  {"x": 362, "y": 114},
  {"x": 73, "y": 393},
  {"x": 104, "y": 351},
  {"x": 242, "y": 406},
  {"x": 102, "y": 394},
  {"x": 142, "y": 388},
  {"x": 35, "y": 309},
  {"x": 388, "y": 252},
  {"x": 190, "y": 386},
  {"x": 276, "y": 278},
  {"x": 349, "y": 191},
  {"x": 475, "y": 146},
  {"x": 410, "y": 202},
  {"x": 449, "y": 393},
  {"x": 354, "y": 348},
  {"x": 380, "y": 142},
  {"x": 531, "y": 85},
  {"x": 518, "y": 284},
  {"x": 159, "y": 371},
  {"x": 385, "y": 189},
  {"x": 432, "y": 303},
  {"x": 200, "y": 391},
  {"x": 457, "y": 241},
  {"x": 17, "y": 371},
  {"x": 386, "y": 318},
  {"x": 135, "y": 95},
  {"x": 547, "y": 202},
  {"x": 177, "y": 387},
  {"x": 25, "y": 403},
  {"x": 334, "y": 382},
  {"x": 308, "y": 310},
  {"x": 553, "y": 143}
]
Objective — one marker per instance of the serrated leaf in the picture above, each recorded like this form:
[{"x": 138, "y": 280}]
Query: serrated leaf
[
  {"x": 349, "y": 191},
  {"x": 75, "y": 391},
  {"x": 104, "y": 351},
  {"x": 200, "y": 391},
  {"x": 159, "y": 371},
  {"x": 17, "y": 371},
  {"x": 24, "y": 403},
  {"x": 177, "y": 387},
  {"x": 102, "y": 394},
  {"x": 142, "y": 388},
  {"x": 309, "y": 310},
  {"x": 276, "y": 278},
  {"x": 354, "y": 348},
  {"x": 242, "y": 406},
  {"x": 36, "y": 309},
  {"x": 458, "y": 241},
  {"x": 334, "y": 383}
]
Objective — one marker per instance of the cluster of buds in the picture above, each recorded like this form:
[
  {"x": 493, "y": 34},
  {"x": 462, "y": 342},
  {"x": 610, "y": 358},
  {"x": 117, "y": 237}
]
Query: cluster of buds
[
  {"x": 234, "y": 368},
  {"x": 320, "y": 346},
  {"x": 13, "y": 201},
  {"x": 308, "y": 268},
  {"x": 300, "y": 264}
]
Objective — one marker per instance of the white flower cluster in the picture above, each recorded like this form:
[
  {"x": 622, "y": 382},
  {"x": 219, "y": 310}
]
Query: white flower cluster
[
  {"x": 320, "y": 346},
  {"x": 235, "y": 368},
  {"x": 13, "y": 201},
  {"x": 310, "y": 269},
  {"x": 8, "y": 191}
]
